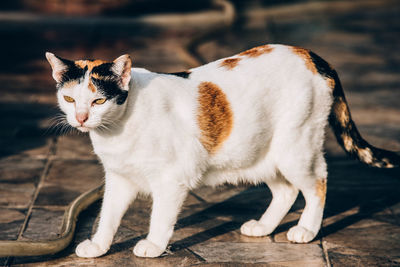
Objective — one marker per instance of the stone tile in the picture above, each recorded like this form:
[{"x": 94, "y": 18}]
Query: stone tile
[
  {"x": 260, "y": 252},
  {"x": 18, "y": 180},
  {"x": 367, "y": 237},
  {"x": 67, "y": 179},
  {"x": 44, "y": 224},
  {"x": 17, "y": 197},
  {"x": 353, "y": 259},
  {"x": 55, "y": 196},
  {"x": 219, "y": 193},
  {"x": 11, "y": 221},
  {"x": 74, "y": 146},
  {"x": 22, "y": 170},
  {"x": 137, "y": 218},
  {"x": 75, "y": 174},
  {"x": 17, "y": 148}
]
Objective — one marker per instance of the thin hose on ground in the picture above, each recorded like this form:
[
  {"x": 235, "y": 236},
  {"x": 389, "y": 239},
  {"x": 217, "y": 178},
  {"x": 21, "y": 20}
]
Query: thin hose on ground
[{"x": 52, "y": 246}]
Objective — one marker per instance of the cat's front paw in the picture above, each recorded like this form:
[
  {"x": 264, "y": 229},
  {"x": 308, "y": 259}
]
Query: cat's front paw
[
  {"x": 299, "y": 234},
  {"x": 254, "y": 228},
  {"x": 146, "y": 248},
  {"x": 89, "y": 249}
]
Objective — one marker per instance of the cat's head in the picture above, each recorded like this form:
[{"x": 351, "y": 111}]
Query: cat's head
[{"x": 92, "y": 93}]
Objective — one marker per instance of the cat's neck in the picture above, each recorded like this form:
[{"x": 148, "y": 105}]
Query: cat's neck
[{"x": 139, "y": 80}]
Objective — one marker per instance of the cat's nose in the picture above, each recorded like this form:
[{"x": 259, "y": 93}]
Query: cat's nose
[{"x": 82, "y": 117}]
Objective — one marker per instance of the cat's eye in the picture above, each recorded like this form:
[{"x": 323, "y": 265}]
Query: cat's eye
[
  {"x": 99, "y": 101},
  {"x": 69, "y": 99}
]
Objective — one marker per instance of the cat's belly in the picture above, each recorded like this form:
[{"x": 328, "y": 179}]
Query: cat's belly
[{"x": 257, "y": 171}]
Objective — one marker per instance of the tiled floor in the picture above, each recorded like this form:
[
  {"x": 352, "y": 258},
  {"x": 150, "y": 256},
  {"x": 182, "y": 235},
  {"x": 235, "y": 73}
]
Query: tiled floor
[{"x": 41, "y": 172}]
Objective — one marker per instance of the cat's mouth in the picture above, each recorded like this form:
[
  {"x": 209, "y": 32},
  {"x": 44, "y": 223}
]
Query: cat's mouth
[{"x": 83, "y": 129}]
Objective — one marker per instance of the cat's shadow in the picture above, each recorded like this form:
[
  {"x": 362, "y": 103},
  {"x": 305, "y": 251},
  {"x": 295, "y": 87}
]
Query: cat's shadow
[{"x": 351, "y": 186}]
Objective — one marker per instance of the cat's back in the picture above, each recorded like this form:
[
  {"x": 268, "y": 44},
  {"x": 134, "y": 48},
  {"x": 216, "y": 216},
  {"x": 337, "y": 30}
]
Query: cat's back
[
  {"x": 272, "y": 66},
  {"x": 254, "y": 95}
]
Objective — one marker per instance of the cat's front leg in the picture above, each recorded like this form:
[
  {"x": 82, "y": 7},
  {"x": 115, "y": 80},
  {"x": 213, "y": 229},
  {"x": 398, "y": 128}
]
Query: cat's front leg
[
  {"x": 119, "y": 193},
  {"x": 167, "y": 202}
]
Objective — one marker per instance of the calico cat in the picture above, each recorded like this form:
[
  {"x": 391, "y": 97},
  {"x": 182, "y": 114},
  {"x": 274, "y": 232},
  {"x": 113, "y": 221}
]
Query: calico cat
[{"x": 256, "y": 117}]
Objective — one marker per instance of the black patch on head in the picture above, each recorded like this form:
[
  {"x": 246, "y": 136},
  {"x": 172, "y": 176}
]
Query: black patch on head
[
  {"x": 110, "y": 88},
  {"x": 104, "y": 69},
  {"x": 72, "y": 72}
]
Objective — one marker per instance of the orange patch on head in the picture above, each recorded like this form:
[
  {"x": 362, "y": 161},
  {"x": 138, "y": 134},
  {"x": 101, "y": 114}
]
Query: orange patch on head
[
  {"x": 230, "y": 63},
  {"x": 305, "y": 55},
  {"x": 96, "y": 76},
  {"x": 257, "y": 51},
  {"x": 320, "y": 190},
  {"x": 92, "y": 87},
  {"x": 214, "y": 117},
  {"x": 90, "y": 64}
]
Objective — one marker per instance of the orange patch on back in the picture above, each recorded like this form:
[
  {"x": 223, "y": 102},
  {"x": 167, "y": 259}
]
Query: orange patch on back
[
  {"x": 257, "y": 51},
  {"x": 215, "y": 116},
  {"x": 304, "y": 54},
  {"x": 321, "y": 190},
  {"x": 230, "y": 63}
]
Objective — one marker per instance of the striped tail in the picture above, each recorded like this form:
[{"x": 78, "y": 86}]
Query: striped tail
[
  {"x": 350, "y": 139},
  {"x": 343, "y": 126}
]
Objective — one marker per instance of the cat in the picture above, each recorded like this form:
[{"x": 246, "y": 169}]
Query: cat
[{"x": 256, "y": 117}]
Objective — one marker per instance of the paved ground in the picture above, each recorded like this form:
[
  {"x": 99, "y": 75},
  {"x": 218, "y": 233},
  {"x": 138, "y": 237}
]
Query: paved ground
[{"x": 42, "y": 171}]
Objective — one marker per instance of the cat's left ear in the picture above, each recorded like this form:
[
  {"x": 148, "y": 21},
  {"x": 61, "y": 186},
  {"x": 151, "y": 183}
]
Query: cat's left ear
[
  {"x": 122, "y": 67},
  {"x": 58, "y": 65}
]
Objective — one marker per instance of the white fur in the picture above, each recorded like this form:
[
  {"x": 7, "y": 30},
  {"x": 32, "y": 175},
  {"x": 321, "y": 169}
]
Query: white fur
[{"x": 151, "y": 144}]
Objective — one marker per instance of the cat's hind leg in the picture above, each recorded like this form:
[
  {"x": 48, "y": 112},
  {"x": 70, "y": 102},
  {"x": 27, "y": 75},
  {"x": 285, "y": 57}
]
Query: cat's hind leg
[
  {"x": 312, "y": 184},
  {"x": 119, "y": 193},
  {"x": 283, "y": 197}
]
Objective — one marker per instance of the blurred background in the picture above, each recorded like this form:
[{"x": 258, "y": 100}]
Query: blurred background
[{"x": 360, "y": 38}]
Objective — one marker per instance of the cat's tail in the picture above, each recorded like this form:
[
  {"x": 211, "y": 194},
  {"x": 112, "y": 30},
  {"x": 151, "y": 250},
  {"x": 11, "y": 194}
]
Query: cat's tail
[{"x": 348, "y": 136}]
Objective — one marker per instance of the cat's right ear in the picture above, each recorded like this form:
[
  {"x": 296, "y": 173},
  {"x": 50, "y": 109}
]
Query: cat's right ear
[{"x": 58, "y": 66}]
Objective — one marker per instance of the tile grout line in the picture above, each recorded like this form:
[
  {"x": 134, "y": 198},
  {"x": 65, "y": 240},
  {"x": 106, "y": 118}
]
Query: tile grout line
[
  {"x": 46, "y": 168},
  {"x": 200, "y": 258},
  {"x": 39, "y": 186}
]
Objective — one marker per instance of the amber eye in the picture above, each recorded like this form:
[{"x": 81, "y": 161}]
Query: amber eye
[
  {"x": 99, "y": 101},
  {"x": 69, "y": 99}
]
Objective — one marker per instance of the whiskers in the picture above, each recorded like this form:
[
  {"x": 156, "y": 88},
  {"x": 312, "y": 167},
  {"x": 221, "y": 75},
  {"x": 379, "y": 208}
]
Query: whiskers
[
  {"x": 107, "y": 125},
  {"x": 60, "y": 126}
]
